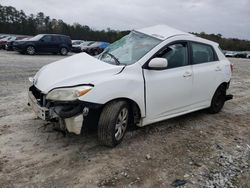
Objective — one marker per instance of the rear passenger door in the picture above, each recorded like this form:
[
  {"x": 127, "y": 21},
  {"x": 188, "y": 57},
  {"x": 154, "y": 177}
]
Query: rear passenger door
[
  {"x": 55, "y": 44},
  {"x": 206, "y": 73}
]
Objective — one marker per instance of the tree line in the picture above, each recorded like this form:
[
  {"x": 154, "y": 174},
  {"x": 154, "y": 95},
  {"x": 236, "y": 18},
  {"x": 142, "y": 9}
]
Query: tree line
[
  {"x": 13, "y": 21},
  {"x": 232, "y": 44}
]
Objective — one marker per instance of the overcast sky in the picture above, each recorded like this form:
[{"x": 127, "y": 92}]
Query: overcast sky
[{"x": 231, "y": 18}]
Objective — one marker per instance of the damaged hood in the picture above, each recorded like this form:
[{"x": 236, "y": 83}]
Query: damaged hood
[{"x": 77, "y": 69}]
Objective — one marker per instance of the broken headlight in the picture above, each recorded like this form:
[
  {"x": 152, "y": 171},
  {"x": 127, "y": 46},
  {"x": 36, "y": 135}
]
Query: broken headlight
[{"x": 68, "y": 94}]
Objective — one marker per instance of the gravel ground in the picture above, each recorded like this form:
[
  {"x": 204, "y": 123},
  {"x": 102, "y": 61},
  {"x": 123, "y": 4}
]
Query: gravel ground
[{"x": 195, "y": 150}]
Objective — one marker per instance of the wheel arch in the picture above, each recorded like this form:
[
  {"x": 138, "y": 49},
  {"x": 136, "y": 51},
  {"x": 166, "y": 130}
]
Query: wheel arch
[
  {"x": 30, "y": 44},
  {"x": 64, "y": 46},
  {"x": 133, "y": 106},
  {"x": 224, "y": 84}
]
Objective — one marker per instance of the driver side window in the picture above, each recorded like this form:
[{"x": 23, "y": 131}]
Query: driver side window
[{"x": 176, "y": 54}]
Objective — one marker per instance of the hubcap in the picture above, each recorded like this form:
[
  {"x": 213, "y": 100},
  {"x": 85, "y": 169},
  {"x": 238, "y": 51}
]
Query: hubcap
[
  {"x": 63, "y": 51},
  {"x": 31, "y": 50},
  {"x": 121, "y": 124}
]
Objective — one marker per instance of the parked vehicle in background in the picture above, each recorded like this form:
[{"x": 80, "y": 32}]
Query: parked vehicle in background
[
  {"x": 44, "y": 43},
  {"x": 230, "y": 54},
  {"x": 241, "y": 55},
  {"x": 248, "y": 56},
  {"x": 81, "y": 47},
  {"x": 150, "y": 75},
  {"x": 95, "y": 48},
  {"x": 3, "y": 36},
  {"x": 4, "y": 41},
  {"x": 76, "y": 42},
  {"x": 9, "y": 44}
]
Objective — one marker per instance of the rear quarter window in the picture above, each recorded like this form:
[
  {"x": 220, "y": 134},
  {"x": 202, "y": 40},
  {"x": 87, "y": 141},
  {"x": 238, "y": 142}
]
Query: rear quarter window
[
  {"x": 202, "y": 53},
  {"x": 65, "y": 39}
]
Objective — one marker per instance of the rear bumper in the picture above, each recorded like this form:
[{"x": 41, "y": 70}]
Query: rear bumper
[{"x": 9, "y": 47}]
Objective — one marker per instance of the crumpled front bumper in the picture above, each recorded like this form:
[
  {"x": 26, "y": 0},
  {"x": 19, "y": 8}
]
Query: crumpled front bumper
[
  {"x": 70, "y": 115},
  {"x": 41, "y": 112}
]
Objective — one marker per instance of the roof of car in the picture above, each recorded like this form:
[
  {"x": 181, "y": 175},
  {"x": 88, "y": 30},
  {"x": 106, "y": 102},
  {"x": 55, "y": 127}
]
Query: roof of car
[
  {"x": 54, "y": 35},
  {"x": 162, "y": 31}
]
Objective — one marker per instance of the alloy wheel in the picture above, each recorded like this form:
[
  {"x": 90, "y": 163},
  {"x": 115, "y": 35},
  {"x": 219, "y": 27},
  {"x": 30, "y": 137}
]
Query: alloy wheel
[{"x": 121, "y": 124}]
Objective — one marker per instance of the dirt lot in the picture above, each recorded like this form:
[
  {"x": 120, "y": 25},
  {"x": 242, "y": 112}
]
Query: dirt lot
[{"x": 198, "y": 149}]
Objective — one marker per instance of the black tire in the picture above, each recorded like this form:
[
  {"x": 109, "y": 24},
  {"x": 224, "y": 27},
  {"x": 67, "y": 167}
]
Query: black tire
[
  {"x": 30, "y": 50},
  {"x": 109, "y": 123},
  {"x": 63, "y": 51},
  {"x": 218, "y": 100}
]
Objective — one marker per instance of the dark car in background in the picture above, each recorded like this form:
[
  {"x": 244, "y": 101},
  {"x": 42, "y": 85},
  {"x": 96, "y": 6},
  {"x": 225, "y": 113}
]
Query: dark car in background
[
  {"x": 241, "y": 55},
  {"x": 44, "y": 43}
]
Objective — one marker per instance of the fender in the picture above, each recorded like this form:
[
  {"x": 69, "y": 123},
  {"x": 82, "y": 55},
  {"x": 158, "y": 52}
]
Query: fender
[{"x": 128, "y": 83}]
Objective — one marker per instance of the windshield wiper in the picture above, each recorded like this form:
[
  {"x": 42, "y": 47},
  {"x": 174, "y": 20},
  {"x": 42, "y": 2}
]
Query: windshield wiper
[{"x": 117, "y": 62}]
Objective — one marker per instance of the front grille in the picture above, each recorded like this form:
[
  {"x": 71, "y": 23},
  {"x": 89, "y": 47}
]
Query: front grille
[{"x": 38, "y": 95}]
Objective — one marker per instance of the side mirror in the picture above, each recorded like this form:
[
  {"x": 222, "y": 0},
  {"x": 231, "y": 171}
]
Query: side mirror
[
  {"x": 158, "y": 63},
  {"x": 42, "y": 40}
]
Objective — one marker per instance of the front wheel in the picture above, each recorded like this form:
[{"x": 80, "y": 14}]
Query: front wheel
[
  {"x": 218, "y": 100},
  {"x": 113, "y": 123},
  {"x": 63, "y": 51}
]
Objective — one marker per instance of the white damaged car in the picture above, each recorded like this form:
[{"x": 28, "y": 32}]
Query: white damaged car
[{"x": 150, "y": 75}]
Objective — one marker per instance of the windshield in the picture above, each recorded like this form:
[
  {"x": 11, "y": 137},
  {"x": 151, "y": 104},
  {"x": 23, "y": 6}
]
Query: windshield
[
  {"x": 129, "y": 49},
  {"x": 36, "y": 38}
]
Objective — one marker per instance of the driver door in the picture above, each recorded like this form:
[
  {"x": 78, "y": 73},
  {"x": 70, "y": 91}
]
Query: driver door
[{"x": 168, "y": 91}]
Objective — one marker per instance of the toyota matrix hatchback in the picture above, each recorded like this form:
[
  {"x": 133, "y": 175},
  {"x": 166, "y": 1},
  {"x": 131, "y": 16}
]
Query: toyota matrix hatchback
[{"x": 150, "y": 75}]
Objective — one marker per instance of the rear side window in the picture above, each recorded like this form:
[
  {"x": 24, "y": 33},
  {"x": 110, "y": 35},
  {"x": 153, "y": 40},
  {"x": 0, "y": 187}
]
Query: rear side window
[
  {"x": 202, "y": 53},
  {"x": 55, "y": 38},
  {"x": 64, "y": 39},
  {"x": 60, "y": 38}
]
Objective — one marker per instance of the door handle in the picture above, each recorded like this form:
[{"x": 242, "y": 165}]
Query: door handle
[
  {"x": 218, "y": 69},
  {"x": 187, "y": 74}
]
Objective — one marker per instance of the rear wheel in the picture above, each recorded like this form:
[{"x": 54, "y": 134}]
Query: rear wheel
[
  {"x": 30, "y": 50},
  {"x": 63, "y": 51},
  {"x": 113, "y": 123},
  {"x": 218, "y": 100}
]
